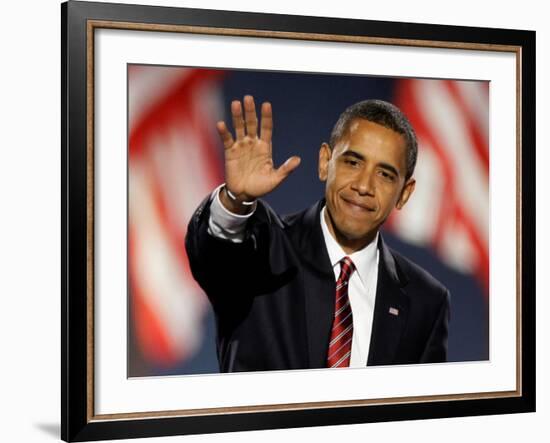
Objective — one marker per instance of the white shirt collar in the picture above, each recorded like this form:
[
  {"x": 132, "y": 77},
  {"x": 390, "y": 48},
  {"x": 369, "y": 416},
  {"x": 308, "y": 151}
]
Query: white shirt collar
[{"x": 364, "y": 259}]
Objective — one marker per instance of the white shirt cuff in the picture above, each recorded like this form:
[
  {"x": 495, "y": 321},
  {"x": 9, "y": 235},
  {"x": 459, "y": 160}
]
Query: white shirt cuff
[{"x": 225, "y": 224}]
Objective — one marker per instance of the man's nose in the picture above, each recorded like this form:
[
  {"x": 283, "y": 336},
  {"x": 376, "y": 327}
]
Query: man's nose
[{"x": 364, "y": 183}]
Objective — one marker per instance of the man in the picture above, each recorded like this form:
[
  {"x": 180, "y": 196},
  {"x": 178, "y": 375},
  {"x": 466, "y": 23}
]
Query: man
[{"x": 319, "y": 288}]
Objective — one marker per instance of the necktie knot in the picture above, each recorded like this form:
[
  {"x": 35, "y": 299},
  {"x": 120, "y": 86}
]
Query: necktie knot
[{"x": 346, "y": 269}]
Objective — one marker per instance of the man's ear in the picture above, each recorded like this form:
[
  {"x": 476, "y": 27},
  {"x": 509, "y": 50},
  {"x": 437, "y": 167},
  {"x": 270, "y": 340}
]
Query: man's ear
[
  {"x": 324, "y": 157},
  {"x": 407, "y": 191}
]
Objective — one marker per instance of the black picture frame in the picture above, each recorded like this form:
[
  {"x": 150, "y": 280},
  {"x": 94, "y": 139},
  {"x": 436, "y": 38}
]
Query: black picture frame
[{"x": 78, "y": 422}]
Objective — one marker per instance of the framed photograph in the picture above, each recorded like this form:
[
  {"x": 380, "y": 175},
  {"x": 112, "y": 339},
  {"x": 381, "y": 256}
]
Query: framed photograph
[{"x": 417, "y": 151}]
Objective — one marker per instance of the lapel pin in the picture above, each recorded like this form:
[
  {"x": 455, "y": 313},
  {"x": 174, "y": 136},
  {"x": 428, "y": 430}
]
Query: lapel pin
[{"x": 394, "y": 311}]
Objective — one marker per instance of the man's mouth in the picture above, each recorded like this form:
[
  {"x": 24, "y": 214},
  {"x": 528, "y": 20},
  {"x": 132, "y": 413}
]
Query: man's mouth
[{"x": 358, "y": 205}]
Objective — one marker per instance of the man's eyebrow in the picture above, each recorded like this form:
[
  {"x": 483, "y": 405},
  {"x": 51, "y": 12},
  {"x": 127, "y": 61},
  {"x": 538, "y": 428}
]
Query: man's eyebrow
[
  {"x": 383, "y": 165},
  {"x": 353, "y": 154}
]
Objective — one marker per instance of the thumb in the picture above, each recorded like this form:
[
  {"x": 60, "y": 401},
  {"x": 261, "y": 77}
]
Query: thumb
[{"x": 287, "y": 167}]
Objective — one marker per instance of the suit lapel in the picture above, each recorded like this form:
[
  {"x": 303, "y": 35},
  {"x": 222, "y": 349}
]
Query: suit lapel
[
  {"x": 319, "y": 287},
  {"x": 391, "y": 310},
  {"x": 319, "y": 310}
]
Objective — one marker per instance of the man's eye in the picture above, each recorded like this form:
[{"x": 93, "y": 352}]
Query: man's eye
[
  {"x": 351, "y": 162},
  {"x": 387, "y": 175}
]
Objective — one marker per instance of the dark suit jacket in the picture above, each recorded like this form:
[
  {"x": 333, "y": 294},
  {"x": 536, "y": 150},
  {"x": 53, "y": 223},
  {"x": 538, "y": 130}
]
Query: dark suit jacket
[{"x": 273, "y": 296}]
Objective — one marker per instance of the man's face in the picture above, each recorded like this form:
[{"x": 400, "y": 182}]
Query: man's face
[{"x": 365, "y": 179}]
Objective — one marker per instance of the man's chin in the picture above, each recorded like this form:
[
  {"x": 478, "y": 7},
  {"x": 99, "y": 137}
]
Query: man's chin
[{"x": 357, "y": 237}]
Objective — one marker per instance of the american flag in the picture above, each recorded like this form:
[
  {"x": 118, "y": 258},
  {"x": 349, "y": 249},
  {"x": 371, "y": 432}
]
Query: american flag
[
  {"x": 171, "y": 138},
  {"x": 450, "y": 208}
]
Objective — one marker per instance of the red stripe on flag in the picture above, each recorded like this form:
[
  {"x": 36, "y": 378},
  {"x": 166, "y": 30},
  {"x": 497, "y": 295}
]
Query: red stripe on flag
[{"x": 479, "y": 146}]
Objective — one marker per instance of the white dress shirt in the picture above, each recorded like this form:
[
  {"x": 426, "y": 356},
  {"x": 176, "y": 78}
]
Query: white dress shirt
[
  {"x": 362, "y": 284},
  {"x": 361, "y": 290}
]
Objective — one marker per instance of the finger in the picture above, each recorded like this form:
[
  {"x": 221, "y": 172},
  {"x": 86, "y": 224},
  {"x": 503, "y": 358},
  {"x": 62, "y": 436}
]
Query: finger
[
  {"x": 250, "y": 116},
  {"x": 225, "y": 135},
  {"x": 238, "y": 122},
  {"x": 266, "y": 123},
  {"x": 287, "y": 167}
]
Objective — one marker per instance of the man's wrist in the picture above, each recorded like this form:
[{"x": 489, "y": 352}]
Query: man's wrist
[
  {"x": 234, "y": 203},
  {"x": 245, "y": 201}
]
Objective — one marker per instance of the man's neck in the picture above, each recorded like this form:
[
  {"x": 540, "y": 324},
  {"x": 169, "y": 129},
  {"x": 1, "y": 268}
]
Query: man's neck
[{"x": 349, "y": 246}]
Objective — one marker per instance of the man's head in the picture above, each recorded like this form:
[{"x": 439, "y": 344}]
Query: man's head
[
  {"x": 367, "y": 169},
  {"x": 385, "y": 114}
]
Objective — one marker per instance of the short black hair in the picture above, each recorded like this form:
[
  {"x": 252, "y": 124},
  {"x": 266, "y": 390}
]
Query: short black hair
[{"x": 384, "y": 114}]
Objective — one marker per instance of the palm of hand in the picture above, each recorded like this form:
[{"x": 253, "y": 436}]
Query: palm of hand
[{"x": 249, "y": 168}]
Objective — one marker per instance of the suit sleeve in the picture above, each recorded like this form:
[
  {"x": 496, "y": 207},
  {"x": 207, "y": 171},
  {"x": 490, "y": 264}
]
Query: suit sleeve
[
  {"x": 227, "y": 271},
  {"x": 436, "y": 346}
]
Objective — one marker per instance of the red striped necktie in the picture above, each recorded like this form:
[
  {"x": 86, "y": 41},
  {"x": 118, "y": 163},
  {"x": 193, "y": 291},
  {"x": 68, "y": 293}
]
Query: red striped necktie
[{"x": 339, "y": 349}]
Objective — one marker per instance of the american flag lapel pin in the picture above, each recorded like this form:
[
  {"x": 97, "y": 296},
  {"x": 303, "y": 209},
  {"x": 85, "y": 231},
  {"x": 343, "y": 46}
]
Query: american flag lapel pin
[{"x": 394, "y": 311}]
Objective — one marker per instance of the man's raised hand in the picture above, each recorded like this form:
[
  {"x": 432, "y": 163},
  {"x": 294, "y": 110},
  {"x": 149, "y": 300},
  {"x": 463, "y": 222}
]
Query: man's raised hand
[{"x": 249, "y": 169}]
